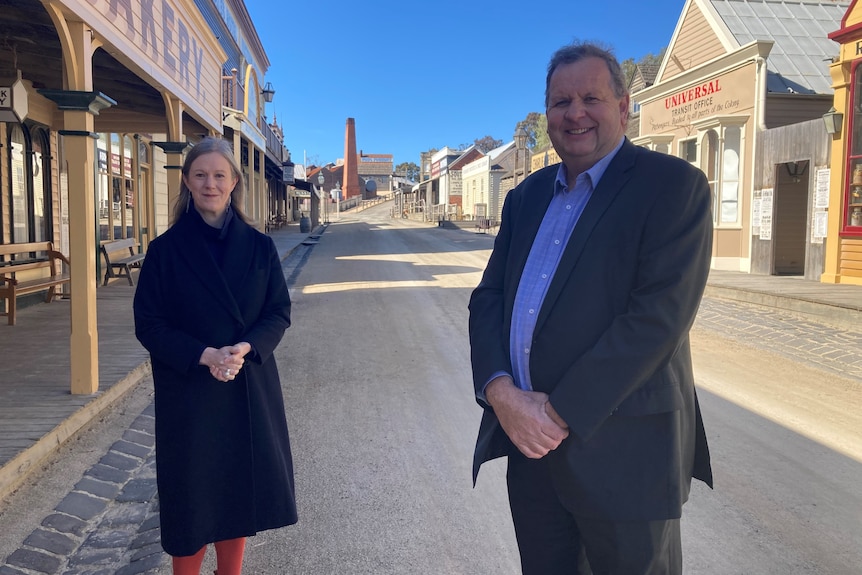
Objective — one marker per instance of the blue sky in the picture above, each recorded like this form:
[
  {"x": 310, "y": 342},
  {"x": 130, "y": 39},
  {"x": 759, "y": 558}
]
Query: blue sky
[{"x": 418, "y": 75}]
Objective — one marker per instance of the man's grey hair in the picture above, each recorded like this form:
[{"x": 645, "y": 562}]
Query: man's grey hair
[{"x": 579, "y": 50}]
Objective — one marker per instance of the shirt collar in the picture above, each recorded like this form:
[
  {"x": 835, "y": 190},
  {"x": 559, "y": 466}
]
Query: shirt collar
[{"x": 595, "y": 173}]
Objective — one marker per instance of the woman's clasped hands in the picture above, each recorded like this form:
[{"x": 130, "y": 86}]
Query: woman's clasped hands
[{"x": 226, "y": 362}]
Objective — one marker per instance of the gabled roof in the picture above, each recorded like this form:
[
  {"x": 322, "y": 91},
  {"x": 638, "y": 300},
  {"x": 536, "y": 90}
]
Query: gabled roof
[
  {"x": 467, "y": 156},
  {"x": 798, "y": 30},
  {"x": 648, "y": 72},
  {"x": 496, "y": 152},
  {"x": 644, "y": 76}
]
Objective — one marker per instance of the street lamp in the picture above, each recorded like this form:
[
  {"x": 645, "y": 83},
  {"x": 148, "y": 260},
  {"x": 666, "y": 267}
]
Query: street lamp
[
  {"x": 320, "y": 182},
  {"x": 268, "y": 92},
  {"x": 337, "y": 191}
]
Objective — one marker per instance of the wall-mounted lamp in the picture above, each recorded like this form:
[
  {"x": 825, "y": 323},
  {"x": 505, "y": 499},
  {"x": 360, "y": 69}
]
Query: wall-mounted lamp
[
  {"x": 796, "y": 170},
  {"x": 13, "y": 102},
  {"x": 833, "y": 120},
  {"x": 268, "y": 92}
]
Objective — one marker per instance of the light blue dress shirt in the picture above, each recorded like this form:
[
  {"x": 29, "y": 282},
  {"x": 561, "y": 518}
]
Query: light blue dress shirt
[{"x": 565, "y": 209}]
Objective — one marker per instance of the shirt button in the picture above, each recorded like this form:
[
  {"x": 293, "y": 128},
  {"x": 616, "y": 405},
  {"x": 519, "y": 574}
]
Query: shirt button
[
  {"x": 532, "y": 311},
  {"x": 569, "y": 207},
  {"x": 544, "y": 276},
  {"x": 556, "y": 242},
  {"x": 526, "y": 350}
]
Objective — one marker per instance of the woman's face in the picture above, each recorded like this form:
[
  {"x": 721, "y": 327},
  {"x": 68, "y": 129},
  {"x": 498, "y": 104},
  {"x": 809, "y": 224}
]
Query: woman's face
[{"x": 211, "y": 181}]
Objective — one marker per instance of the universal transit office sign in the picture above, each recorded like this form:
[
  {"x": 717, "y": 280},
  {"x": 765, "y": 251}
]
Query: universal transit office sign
[{"x": 726, "y": 94}]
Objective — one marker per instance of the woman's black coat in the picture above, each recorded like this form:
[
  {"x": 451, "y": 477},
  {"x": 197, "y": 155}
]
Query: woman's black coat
[{"x": 223, "y": 460}]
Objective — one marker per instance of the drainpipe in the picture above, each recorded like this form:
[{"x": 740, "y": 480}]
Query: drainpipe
[
  {"x": 760, "y": 126},
  {"x": 761, "y": 92}
]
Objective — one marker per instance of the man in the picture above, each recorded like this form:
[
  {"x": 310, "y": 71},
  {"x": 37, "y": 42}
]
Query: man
[{"x": 579, "y": 336}]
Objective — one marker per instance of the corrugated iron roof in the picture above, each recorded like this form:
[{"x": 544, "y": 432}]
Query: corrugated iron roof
[{"x": 799, "y": 60}]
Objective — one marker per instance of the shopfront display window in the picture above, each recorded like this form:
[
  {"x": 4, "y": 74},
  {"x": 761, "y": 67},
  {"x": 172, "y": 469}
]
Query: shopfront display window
[
  {"x": 722, "y": 147},
  {"x": 18, "y": 187},
  {"x": 29, "y": 189},
  {"x": 853, "y": 197},
  {"x": 116, "y": 188}
]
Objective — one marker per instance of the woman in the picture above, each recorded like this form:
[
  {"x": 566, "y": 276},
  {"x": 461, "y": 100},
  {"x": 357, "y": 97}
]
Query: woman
[{"x": 211, "y": 306}]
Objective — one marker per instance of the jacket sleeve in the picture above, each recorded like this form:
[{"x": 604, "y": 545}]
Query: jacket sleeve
[
  {"x": 267, "y": 330},
  {"x": 153, "y": 327},
  {"x": 489, "y": 338}
]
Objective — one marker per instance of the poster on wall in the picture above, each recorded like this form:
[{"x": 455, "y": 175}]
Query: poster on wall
[
  {"x": 821, "y": 192},
  {"x": 755, "y": 213},
  {"x": 818, "y": 226},
  {"x": 766, "y": 214}
]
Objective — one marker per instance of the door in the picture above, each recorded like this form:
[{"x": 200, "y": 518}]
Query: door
[{"x": 790, "y": 218}]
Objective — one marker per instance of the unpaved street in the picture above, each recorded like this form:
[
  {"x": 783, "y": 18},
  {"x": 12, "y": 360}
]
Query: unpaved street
[
  {"x": 381, "y": 409},
  {"x": 376, "y": 375}
]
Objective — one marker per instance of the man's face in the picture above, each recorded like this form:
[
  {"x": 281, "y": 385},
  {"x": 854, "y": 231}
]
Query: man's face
[{"x": 586, "y": 120}]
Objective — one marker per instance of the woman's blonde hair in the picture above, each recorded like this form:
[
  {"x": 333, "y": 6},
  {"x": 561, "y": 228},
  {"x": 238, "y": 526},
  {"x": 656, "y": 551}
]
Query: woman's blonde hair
[{"x": 210, "y": 146}]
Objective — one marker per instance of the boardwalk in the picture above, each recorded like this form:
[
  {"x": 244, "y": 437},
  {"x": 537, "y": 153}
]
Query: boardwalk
[
  {"x": 37, "y": 410},
  {"x": 36, "y": 405}
]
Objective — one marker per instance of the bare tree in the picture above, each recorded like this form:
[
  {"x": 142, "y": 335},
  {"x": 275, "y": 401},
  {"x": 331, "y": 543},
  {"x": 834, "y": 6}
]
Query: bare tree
[{"x": 487, "y": 144}]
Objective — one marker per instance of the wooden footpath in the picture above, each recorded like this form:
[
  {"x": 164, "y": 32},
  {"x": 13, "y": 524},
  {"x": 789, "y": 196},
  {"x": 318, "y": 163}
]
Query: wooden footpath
[
  {"x": 37, "y": 410},
  {"x": 38, "y": 413}
]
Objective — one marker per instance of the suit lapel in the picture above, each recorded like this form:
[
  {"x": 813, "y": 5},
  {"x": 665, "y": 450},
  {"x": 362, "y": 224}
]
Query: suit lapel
[
  {"x": 615, "y": 177},
  {"x": 534, "y": 203}
]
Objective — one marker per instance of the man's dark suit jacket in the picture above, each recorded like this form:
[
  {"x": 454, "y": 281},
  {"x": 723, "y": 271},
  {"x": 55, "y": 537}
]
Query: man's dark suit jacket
[{"x": 611, "y": 343}]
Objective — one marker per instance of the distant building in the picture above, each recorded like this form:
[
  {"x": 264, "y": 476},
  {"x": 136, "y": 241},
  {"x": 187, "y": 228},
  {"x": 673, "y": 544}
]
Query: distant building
[
  {"x": 643, "y": 77},
  {"x": 733, "y": 71},
  {"x": 377, "y": 167}
]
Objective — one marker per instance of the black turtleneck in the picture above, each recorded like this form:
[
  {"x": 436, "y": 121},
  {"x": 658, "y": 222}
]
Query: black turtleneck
[{"x": 214, "y": 237}]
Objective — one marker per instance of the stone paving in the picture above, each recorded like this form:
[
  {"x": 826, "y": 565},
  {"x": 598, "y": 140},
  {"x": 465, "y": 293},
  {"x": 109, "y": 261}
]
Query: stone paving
[
  {"x": 108, "y": 524},
  {"x": 834, "y": 350}
]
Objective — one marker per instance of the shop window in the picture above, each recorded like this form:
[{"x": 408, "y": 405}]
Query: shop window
[
  {"x": 721, "y": 152},
  {"x": 115, "y": 187},
  {"x": 688, "y": 151},
  {"x": 18, "y": 203},
  {"x": 730, "y": 165},
  {"x": 41, "y": 188},
  {"x": 853, "y": 198},
  {"x": 710, "y": 165},
  {"x": 29, "y": 184}
]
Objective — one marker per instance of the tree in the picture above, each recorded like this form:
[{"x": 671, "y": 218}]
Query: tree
[
  {"x": 542, "y": 139},
  {"x": 408, "y": 170},
  {"x": 487, "y": 144},
  {"x": 531, "y": 124}
]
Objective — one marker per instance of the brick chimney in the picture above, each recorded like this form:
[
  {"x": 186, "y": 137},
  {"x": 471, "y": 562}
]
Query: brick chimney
[{"x": 351, "y": 186}]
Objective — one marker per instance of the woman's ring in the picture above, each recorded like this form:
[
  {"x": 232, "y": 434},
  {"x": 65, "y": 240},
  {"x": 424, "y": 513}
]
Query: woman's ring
[{"x": 227, "y": 371}]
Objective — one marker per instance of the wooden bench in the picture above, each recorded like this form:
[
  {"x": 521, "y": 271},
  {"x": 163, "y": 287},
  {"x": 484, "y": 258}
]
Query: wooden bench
[
  {"x": 120, "y": 255},
  {"x": 43, "y": 267}
]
